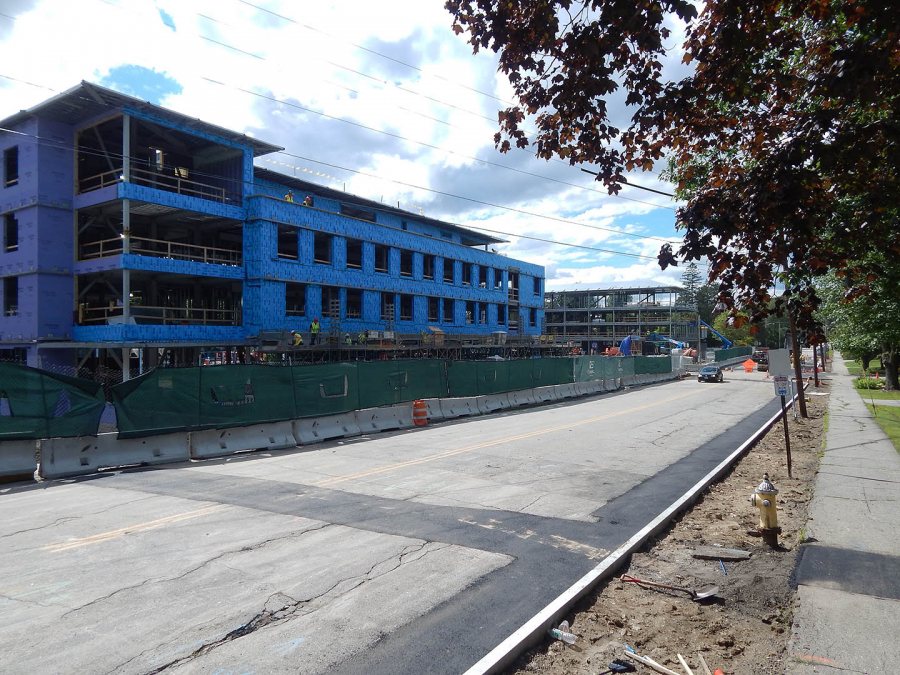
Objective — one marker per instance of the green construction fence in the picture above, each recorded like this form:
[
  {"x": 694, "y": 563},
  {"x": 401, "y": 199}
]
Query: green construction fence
[
  {"x": 36, "y": 404},
  {"x": 732, "y": 353},
  {"x": 652, "y": 365}
]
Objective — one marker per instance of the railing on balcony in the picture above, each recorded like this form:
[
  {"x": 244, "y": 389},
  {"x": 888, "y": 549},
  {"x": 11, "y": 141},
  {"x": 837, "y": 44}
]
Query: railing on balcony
[
  {"x": 158, "y": 248},
  {"x": 147, "y": 314},
  {"x": 174, "y": 182}
]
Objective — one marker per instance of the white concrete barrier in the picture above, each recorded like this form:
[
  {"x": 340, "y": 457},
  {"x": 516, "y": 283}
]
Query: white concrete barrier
[
  {"x": 220, "y": 442},
  {"x": 459, "y": 406},
  {"x": 492, "y": 402},
  {"x": 433, "y": 407},
  {"x": 385, "y": 418},
  {"x": 545, "y": 394},
  {"x": 317, "y": 429},
  {"x": 18, "y": 458},
  {"x": 522, "y": 397},
  {"x": 86, "y": 454},
  {"x": 565, "y": 390}
]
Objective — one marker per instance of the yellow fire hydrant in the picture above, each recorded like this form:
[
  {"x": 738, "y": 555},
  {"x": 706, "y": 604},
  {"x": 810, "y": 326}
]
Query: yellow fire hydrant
[{"x": 763, "y": 498}]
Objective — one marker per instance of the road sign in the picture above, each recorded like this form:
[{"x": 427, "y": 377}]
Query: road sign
[
  {"x": 779, "y": 362},
  {"x": 781, "y": 385}
]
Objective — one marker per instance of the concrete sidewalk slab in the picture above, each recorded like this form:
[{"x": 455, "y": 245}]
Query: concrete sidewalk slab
[{"x": 842, "y": 622}]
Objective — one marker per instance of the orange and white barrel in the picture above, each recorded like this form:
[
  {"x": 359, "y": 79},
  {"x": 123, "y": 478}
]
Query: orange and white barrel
[{"x": 420, "y": 413}]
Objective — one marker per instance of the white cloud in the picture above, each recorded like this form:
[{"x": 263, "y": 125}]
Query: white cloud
[{"x": 313, "y": 61}]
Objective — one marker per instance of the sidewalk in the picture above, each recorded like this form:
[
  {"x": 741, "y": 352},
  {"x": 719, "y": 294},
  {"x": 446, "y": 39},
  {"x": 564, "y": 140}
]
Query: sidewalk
[{"x": 848, "y": 574}]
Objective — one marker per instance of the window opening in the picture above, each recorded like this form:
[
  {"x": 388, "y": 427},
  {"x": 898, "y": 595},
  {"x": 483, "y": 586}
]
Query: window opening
[
  {"x": 406, "y": 263},
  {"x": 428, "y": 266},
  {"x": 448, "y": 270},
  {"x": 11, "y": 232},
  {"x": 433, "y": 309},
  {"x": 354, "y": 303},
  {"x": 354, "y": 254},
  {"x": 295, "y": 299},
  {"x": 381, "y": 258},
  {"x": 322, "y": 248},
  {"x": 288, "y": 242},
  {"x": 11, "y": 165},
  {"x": 448, "y": 310},
  {"x": 331, "y": 302},
  {"x": 387, "y": 307},
  {"x": 467, "y": 274},
  {"x": 406, "y": 307},
  {"x": 11, "y": 296}
]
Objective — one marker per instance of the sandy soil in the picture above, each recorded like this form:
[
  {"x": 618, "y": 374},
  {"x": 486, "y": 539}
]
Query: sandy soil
[{"x": 747, "y": 629}]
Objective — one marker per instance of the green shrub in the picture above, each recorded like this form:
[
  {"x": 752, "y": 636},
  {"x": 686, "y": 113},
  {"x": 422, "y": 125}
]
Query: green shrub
[{"x": 868, "y": 383}]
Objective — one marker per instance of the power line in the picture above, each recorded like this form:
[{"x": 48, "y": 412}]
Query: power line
[
  {"x": 57, "y": 144},
  {"x": 492, "y": 205}
]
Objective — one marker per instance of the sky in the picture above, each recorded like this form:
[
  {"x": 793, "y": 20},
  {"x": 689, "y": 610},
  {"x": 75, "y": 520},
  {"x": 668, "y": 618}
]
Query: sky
[{"x": 380, "y": 99}]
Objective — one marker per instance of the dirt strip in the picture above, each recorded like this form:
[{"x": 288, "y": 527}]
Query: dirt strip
[{"x": 747, "y": 627}]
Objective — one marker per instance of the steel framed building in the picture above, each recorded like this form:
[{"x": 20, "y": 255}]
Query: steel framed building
[
  {"x": 128, "y": 228},
  {"x": 599, "y": 318}
]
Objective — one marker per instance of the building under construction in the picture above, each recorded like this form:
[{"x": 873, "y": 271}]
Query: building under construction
[
  {"x": 134, "y": 236},
  {"x": 598, "y": 319}
]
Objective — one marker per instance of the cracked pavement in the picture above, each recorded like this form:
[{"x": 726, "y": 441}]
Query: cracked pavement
[{"x": 418, "y": 558}]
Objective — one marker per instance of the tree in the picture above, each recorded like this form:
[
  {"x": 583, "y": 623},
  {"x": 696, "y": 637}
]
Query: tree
[
  {"x": 865, "y": 327},
  {"x": 784, "y": 141},
  {"x": 738, "y": 332},
  {"x": 690, "y": 283}
]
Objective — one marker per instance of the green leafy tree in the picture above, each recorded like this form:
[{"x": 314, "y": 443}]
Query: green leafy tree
[
  {"x": 784, "y": 140},
  {"x": 736, "y": 331},
  {"x": 865, "y": 327}
]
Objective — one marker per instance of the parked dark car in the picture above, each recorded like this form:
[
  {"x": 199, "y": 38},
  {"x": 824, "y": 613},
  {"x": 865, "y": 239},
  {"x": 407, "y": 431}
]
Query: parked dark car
[{"x": 710, "y": 374}]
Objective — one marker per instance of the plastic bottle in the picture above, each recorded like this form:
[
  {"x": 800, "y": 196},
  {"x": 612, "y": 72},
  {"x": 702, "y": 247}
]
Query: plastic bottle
[{"x": 562, "y": 633}]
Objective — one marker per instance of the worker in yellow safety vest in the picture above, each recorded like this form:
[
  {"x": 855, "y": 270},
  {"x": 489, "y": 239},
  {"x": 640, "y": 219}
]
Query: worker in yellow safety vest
[{"x": 314, "y": 329}]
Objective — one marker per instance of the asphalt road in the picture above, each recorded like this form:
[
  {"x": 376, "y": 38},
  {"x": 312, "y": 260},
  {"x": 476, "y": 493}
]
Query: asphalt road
[{"x": 410, "y": 552}]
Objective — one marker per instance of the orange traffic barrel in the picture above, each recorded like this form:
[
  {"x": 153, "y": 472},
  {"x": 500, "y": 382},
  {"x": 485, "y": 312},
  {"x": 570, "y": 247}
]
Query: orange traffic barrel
[{"x": 420, "y": 413}]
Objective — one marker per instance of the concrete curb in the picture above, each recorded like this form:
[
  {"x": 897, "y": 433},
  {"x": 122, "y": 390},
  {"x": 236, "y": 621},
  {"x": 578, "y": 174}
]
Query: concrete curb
[{"x": 535, "y": 629}]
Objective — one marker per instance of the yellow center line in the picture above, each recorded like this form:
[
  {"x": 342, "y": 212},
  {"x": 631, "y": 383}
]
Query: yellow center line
[
  {"x": 132, "y": 529},
  {"x": 327, "y": 482}
]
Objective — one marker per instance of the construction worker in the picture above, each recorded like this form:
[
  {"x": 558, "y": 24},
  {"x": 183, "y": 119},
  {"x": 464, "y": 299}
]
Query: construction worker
[
  {"x": 296, "y": 339},
  {"x": 347, "y": 339},
  {"x": 314, "y": 329},
  {"x": 289, "y": 197},
  {"x": 308, "y": 200},
  {"x": 363, "y": 337}
]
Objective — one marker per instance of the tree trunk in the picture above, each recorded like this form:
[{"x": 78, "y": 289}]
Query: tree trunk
[
  {"x": 816, "y": 366},
  {"x": 798, "y": 373},
  {"x": 889, "y": 360}
]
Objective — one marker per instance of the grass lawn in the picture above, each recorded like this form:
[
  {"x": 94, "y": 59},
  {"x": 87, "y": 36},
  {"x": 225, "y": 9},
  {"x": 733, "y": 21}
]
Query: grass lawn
[
  {"x": 879, "y": 394},
  {"x": 855, "y": 368},
  {"x": 888, "y": 418}
]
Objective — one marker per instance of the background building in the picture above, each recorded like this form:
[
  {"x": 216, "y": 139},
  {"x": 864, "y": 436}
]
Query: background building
[
  {"x": 131, "y": 232},
  {"x": 601, "y": 318}
]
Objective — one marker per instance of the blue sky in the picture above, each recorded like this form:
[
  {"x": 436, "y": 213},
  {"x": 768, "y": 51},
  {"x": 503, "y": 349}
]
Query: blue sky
[{"x": 380, "y": 99}]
